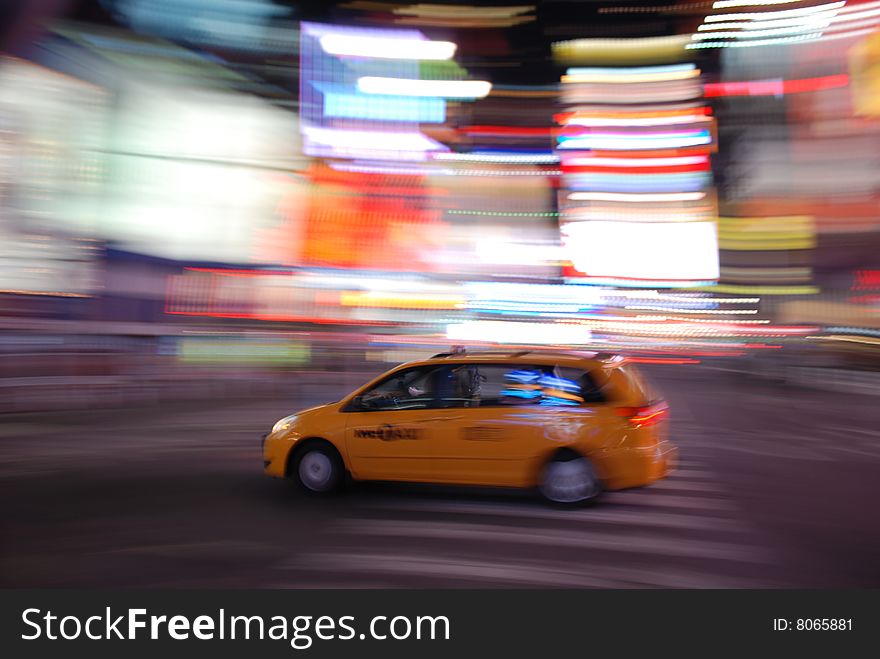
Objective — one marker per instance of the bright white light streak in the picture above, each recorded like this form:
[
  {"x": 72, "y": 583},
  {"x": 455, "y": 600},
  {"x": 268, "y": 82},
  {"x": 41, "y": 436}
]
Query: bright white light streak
[
  {"x": 368, "y": 139},
  {"x": 725, "y": 4},
  {"x": 648, "y": 251},
  {"x": 630, "y": 78},
  {"x": 759, "y": 34},
  {"x": 387, "y": 47},
  {"x": 636, "y": 162},
  {"x": 628, "y": 142},
  {"x": 501, "y": 172},
  {"x": 434, "y": 88},
  {"x": 390, "y": 169},
  {"x": 766, "y": 25},
  {"x": 706, "y": 299},
  {"x": 773, "y": 15},
  {"x": 624, "y": 71},
  {"x": 749, "y": 44},
  {"x": 638, "y": 121},
  {"x": 838, "y": 24},
  {"x": 635, "y": 197},
  {"x": 518, "y": 332},
  {"x": 860, "y": 7},
  {"x": 723, "y": 312},
  {"x": 847, "y": 35}
]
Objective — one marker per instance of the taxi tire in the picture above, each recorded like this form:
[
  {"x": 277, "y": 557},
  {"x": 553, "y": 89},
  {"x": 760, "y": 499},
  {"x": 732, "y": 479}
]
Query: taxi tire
[
  {"x": 323, "y": 455},
  {"x": 575, "y": 466}
]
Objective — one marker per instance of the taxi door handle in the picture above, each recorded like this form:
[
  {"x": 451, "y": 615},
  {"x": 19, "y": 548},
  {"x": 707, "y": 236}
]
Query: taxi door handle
[{"x": 440, "y": 418}]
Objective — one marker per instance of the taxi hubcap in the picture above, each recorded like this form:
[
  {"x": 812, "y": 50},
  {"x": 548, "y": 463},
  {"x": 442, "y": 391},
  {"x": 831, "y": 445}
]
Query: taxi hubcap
[
  {"x": 315, "y": 471},
  {"x": 569, "y": 481}
]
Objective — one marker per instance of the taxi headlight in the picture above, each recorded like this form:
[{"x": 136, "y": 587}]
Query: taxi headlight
[{"x": 283, "y": 424}]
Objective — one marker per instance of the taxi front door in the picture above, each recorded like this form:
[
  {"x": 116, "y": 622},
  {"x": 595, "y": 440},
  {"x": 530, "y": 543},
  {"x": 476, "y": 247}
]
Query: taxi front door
[{"x": 399, "y": 445}]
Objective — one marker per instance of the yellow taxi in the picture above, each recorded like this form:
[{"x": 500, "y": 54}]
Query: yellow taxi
[{"x": 571, "y": 424}]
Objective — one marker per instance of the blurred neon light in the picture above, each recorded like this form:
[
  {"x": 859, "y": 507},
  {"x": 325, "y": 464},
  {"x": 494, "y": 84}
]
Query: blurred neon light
[
  {"x": 635, "y": 162},
  {"x": 502, "y": 172},
  {"x": 686, "y": 109},
  {"x": 724, "y": 4},
  {"x": 749, "y": 44},
  {"x": 455, "y": 11},
  {"x": 518, "y": 332},
  {"x": 775, "y": 87},
  {"x": 860, "y": 7},
  {"x": 368, "y": 139},
  {"x": 657, "y": 182},
  {"x": 759, "y": 34},
  {"x": 625, "y": 141},
  {"x": 625, "y": 213},
  {"x": 400, "y": 300},
  {"x": 856, "y": 12},
  {"x": 636, "y": 70},
  {"x": 622, "y": 173},
  {"x": 638, "y": 198},
  {"x": 366, "y": 168},
  {"x": 384, "y": 108},
  {"x": 773, "y": 15},
  {"x": 386, "y": 47},
  {"x": 644, "y": 121},
  {"x": 814, "y": 21},
  {"x": 648, "y": 307},
  {"x": 512, "y": 158},
  {"x": 766, "y": 290},
  {"x": 850, "y": 34},
  {"x": 629, "y": 78},
  {"x": 436, "y": 88},
  {"x": 639, "y": 136},
  {"x": 503, "y": 214},
  {"x": 513, "y": 131}
]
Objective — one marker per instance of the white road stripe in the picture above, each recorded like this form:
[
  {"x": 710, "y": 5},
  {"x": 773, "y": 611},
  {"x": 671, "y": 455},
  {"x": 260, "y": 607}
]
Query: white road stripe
[
  {"x": 578, "y": 518},
  {"x": 688, "y": 464},
  {"x": 445, "y": 568},
  {"x": 660, "y": 499},
  {"x": 698, "y": 474},
  {"x": 684, "y": 485},
  {"x": 512, "y": 535},
  {"x": 522, "y": 573},
  {"x": 519, "y": 573}
]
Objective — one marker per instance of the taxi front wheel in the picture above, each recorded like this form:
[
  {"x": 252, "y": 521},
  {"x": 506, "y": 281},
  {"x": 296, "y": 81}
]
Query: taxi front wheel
[
  {"x": 569, "y": 479},
  {"x": 318, "y": 468}
]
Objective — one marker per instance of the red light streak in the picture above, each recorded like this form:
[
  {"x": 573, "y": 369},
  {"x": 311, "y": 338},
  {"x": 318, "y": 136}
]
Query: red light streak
[
  {"x": 774, "y": 87},
  {"x": 511, "y": 131}
]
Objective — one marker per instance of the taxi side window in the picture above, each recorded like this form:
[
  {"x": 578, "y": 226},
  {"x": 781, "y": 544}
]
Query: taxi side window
[
  {"x": 413, "y": 389},
  {"x": 526, "y": 385}
]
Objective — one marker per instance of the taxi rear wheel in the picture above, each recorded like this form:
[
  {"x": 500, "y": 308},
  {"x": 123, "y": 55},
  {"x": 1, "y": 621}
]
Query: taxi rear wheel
[
  {"x": 569, "y": 479},
  {"x": 317, "y": 468}
]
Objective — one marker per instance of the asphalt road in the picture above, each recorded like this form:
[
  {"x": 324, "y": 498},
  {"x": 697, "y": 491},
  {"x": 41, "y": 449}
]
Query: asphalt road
[{"x": 777, "y": 487}]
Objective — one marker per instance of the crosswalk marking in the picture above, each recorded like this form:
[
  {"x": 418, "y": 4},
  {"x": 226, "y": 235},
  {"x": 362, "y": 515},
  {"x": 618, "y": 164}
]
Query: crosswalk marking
[
  {"x": 656, "y": 499},
  {"x": 587, "y": 517},
  {"x": 525, "y": 573},
  {"x": 629, "y": 543},
  {"x": 685, "y": 485},
  {"x": 683, "y": 531}
]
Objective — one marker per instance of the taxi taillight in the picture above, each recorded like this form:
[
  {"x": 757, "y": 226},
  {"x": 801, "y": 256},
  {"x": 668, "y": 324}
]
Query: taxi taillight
[{"x": 645, "y": 416}]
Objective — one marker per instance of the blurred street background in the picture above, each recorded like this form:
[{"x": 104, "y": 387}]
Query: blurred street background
[{"x": 216, "y": 212}]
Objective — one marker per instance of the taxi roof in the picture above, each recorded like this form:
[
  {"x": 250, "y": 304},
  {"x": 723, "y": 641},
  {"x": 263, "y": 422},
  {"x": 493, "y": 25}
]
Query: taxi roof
[{"x": 540, "y": 356}]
